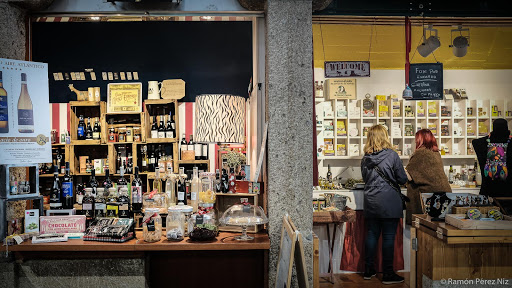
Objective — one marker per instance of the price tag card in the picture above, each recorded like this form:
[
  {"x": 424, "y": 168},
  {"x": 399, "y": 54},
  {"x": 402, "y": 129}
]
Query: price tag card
[
  {"x": 135, "y": 75},
  {"x": 61, "y": 76},
  {"x": 82, "y": 75},
  {"x": 110, "y": 76},
  {"x": 66, "y": 75},
  {"x": 56, "y": 76},
  {"x": 73, "y": 76},
  {"x": 123, "y": 77},
  {"x": 93, "y": 76},
  {"x": 129, "y": 76},
  {"x": 116, "y": 76},
  {"x": 104, "y": 76}
]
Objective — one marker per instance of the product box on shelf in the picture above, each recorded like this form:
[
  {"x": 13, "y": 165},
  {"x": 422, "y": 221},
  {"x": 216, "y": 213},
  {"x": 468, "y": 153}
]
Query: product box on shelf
[
  {"x": 31, "y": 220},
  {"x": 98, "y": 165},
  {"x": 83, "y": 163},
  {"x": 254, "y": 187},
  {"x": 62, "y": 224}
]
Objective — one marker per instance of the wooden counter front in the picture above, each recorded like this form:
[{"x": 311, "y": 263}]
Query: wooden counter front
[
  {"x": 441, "y": 252},
  {"x": 224, "y": 241}
]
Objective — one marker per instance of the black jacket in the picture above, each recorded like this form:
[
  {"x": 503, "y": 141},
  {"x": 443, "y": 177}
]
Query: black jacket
[{"x": 380, "y": 199}]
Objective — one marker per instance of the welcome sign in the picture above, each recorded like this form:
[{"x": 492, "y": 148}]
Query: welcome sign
[{"x": 338, "y": 69}]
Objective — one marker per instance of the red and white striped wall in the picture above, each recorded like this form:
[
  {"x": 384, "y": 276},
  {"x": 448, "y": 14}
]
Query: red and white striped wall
[{"x": 59, "y": 117}]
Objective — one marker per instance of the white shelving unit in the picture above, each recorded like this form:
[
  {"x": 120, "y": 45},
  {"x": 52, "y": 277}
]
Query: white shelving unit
[{"x": 480, "y": 122}]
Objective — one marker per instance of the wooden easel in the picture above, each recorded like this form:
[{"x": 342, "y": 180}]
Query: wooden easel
[{"x": 291, "y": 247}]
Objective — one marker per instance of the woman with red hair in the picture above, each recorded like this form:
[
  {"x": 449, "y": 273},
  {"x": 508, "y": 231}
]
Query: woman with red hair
[{"x": 425, "y": 172}]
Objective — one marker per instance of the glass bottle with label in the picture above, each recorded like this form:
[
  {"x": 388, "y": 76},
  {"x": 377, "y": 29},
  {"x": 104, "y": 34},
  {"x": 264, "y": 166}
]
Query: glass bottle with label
[
  {"x": 218, "y": 183},
  {"x": 161, "y": 128},
  {"x": 204, "y": 155},
  {"x": 81, "y": 128},
  {"x": 154, "y": 129},
  {"x": 198, "y": 149},
  {"x": 194, "y": 189},
  {"x": 107, "y": 183},
  {"x": 121, "y": 182},
  {"x": 96, "y": 131},
  {"x": 124, "y": 203},
  {"x": 450, "y": 175},
  {"x": 55, "y": 197},
  {"x": 191, "y": 143},
  {"x": 182, "y": 189},
  {"x": 93, "y": 183},
  {"x": 88, "y": 131},
  {"x": 88, "y": 204},
  {"x": 80, "y": 193},
  {"x": 67, "y": 189},
  {"x": 144, "y": 160},
  {"x": 4, "y": 108},
  {"x": 112, "y": 203},
  {"x": 25, "y": 111},
  {"x": 136, "y": 192},
  {"x": 152, "y": 161},
  {"x": 224, "y": 181},
  {"x": 100, "y": 203},
  {"x": 184, "y": 144},
  {"x": 169, "y": 131}
]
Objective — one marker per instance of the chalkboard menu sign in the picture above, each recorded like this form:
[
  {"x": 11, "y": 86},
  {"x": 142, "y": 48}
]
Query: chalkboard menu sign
[{"x": 426, "y": 81}]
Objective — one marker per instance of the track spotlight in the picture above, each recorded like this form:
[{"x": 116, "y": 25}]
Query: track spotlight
[
  {"x": 461, "y": 43},
  {"x": 429, "y": 44}
]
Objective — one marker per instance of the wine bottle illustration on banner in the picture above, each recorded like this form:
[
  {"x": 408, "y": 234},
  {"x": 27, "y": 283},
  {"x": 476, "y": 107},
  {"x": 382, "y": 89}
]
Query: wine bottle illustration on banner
[
  {"x": 4, "y": 108},
  {"x": 25, "y": 112}
]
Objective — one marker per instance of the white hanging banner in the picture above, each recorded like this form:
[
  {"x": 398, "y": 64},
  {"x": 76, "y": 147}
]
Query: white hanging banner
[{"x": 24, "y": 113}]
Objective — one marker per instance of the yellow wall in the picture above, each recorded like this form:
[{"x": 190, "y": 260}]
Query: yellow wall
[{"x": 490, "y": 47}]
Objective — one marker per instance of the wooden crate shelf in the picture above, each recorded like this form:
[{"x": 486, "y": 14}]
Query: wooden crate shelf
[
  {"x": 85, "y": 103},
  {"x": 196, "y": 162},
  {"x": 86, "y": 142},
  {"x": 161, "y": 140}
]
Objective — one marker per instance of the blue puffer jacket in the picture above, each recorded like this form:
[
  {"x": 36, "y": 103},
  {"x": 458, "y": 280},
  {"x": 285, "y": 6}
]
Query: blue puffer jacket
[{"x": 380, "y": 199}]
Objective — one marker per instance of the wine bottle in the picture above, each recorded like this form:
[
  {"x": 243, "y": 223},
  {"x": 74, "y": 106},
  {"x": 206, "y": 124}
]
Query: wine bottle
[
  {"x": 182, "y": 189},
  {"x": 191, "y": 143},
  {"x": 152, "y": 161},
  {"x": 184, "y": 144},
  {"x": 198, "y": 149},
  {"x": 218, "y": 183},
  {"x": 4, "y": 108},
  {"x": 136, "y": 192},
  {"x": 170, "y": 187},
  {"x": 194, "y": 189},
  {"x": 93, "y": 183},
  {"x": 204, "y": 155},
  {"x": 67, "y": 189},
  {"x": 232, "y": 178},
  {"x": 96, "y": 131},
  {"x": 450, "y": 175},
  {"x": 224, "y": 181},
  {"x": 100, "y": 205},
  {"x": 329, "y": 174},
  {"x": 88, "y": 131},
  {"x": 81, "y": 128},
  {"x": 144, "y": 151},
  {"x": 121, "y": 182},
  {"x": 107, "y": 183},
  {"x": 25, "y": 112},
  {"x": 161, "y": 128},
  {"x": 88, "y": 205},
  {"x": 169, "y": 131},
  {"x": 154, "y": 129},
  {"x": 55, "y": 197}
]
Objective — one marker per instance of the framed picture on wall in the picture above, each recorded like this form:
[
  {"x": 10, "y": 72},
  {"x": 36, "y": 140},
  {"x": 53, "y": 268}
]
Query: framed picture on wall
[{"x": 124, "y": 97}]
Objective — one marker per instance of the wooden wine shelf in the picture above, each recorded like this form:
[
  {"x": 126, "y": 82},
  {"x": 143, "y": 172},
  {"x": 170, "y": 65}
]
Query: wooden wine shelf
[
  {"x": 84, "y": 103},
  {"x": 161, "y": 140},
  {"x": 123, "y": 113},
  {"x": 194, "y": 161},
  {"x": 49, "y": 175},
  {"x": 159, "y": 101},
  {"x": 86, "y": 142}
]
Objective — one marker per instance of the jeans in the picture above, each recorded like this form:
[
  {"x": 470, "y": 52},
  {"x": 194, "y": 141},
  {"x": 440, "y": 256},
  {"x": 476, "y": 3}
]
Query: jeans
[{"x": 374, "y": 227}]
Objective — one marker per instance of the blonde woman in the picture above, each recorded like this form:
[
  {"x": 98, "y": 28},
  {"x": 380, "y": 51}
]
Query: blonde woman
[{"x": 382, "y": 172}]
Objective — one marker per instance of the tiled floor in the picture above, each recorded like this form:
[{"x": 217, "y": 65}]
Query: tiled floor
[{"x": 354, "y": 280}]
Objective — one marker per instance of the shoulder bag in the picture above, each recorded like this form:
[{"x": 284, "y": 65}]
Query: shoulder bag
[{"x": 394, "y": 185}]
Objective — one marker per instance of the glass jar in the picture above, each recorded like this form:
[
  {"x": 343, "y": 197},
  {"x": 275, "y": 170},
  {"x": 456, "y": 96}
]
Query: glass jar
[
  {"x": 129, "y": 134},
  {"x": 202, "y": 227},
  {"x": 122, "y": 135},
  {"x": 206, "y": 193},
  {"x": 155, "y": 199},
  {"x": 136, "y": 134},
  {"x": 152, "y": 225},
  {"x": 112, "y": 135},
  {"x": 175, "y": 223}
]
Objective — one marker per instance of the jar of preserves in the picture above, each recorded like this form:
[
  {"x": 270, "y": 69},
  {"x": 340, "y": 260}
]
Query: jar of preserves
[
  {"x": 136, "y": 134},
  {"x": 152, "y": 225},
  {"x": 207, "y": 194},
  {"x": 111, "y": 135},
  {"x": 129, "y": 134},
  {"x": 175, "y": 223},
  {"x": 122, "y": 135}
]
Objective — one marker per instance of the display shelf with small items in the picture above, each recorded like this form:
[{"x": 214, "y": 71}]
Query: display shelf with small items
[{"x": 87, "y": 122}]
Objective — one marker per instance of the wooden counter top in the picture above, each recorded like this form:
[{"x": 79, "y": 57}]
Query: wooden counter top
[
  {"x": 454, "y": 235},
  {"x": 224, "y": 241}
]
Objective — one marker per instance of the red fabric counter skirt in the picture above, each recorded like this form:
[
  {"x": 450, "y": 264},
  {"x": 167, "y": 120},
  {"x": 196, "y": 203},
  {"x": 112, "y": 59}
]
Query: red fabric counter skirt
[{"x": 352, "y": 258}]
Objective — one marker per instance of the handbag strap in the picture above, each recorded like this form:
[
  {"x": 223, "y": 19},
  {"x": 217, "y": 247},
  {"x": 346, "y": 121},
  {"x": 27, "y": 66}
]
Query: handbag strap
[{"x": 391, "y": 183}]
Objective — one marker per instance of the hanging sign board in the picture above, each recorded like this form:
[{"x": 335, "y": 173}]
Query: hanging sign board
[
  {"x": 340, "y": 69},
  {"x": 24, "y": 113},
  {"x": 426, "y": 81},
  {"x": 173, "y": 89},
  {"x": 340, "y": 88}
]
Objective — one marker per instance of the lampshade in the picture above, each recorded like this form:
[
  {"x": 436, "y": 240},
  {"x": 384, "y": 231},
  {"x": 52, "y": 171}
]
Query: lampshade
[
  {"x": 220, "y": 118},
  {"x": 429, "y": 46}
]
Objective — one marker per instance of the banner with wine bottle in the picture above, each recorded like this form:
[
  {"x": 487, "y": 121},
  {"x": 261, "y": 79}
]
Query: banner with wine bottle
[{"x": 24, "y": 113}]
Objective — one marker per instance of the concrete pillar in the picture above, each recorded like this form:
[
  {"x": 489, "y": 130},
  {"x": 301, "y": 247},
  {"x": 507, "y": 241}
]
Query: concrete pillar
[
  {"x": 289, "y": 80},
  {"x": 12, "y": 32}
]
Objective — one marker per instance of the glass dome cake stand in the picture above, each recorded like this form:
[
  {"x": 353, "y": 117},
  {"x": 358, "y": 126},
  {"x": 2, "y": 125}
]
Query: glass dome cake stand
[{"x": 244, "y": 215}]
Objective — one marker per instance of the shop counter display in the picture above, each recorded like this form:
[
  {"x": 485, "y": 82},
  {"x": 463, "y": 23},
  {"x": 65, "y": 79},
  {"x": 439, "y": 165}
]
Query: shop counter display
[{"x": 441, "y": 252}]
